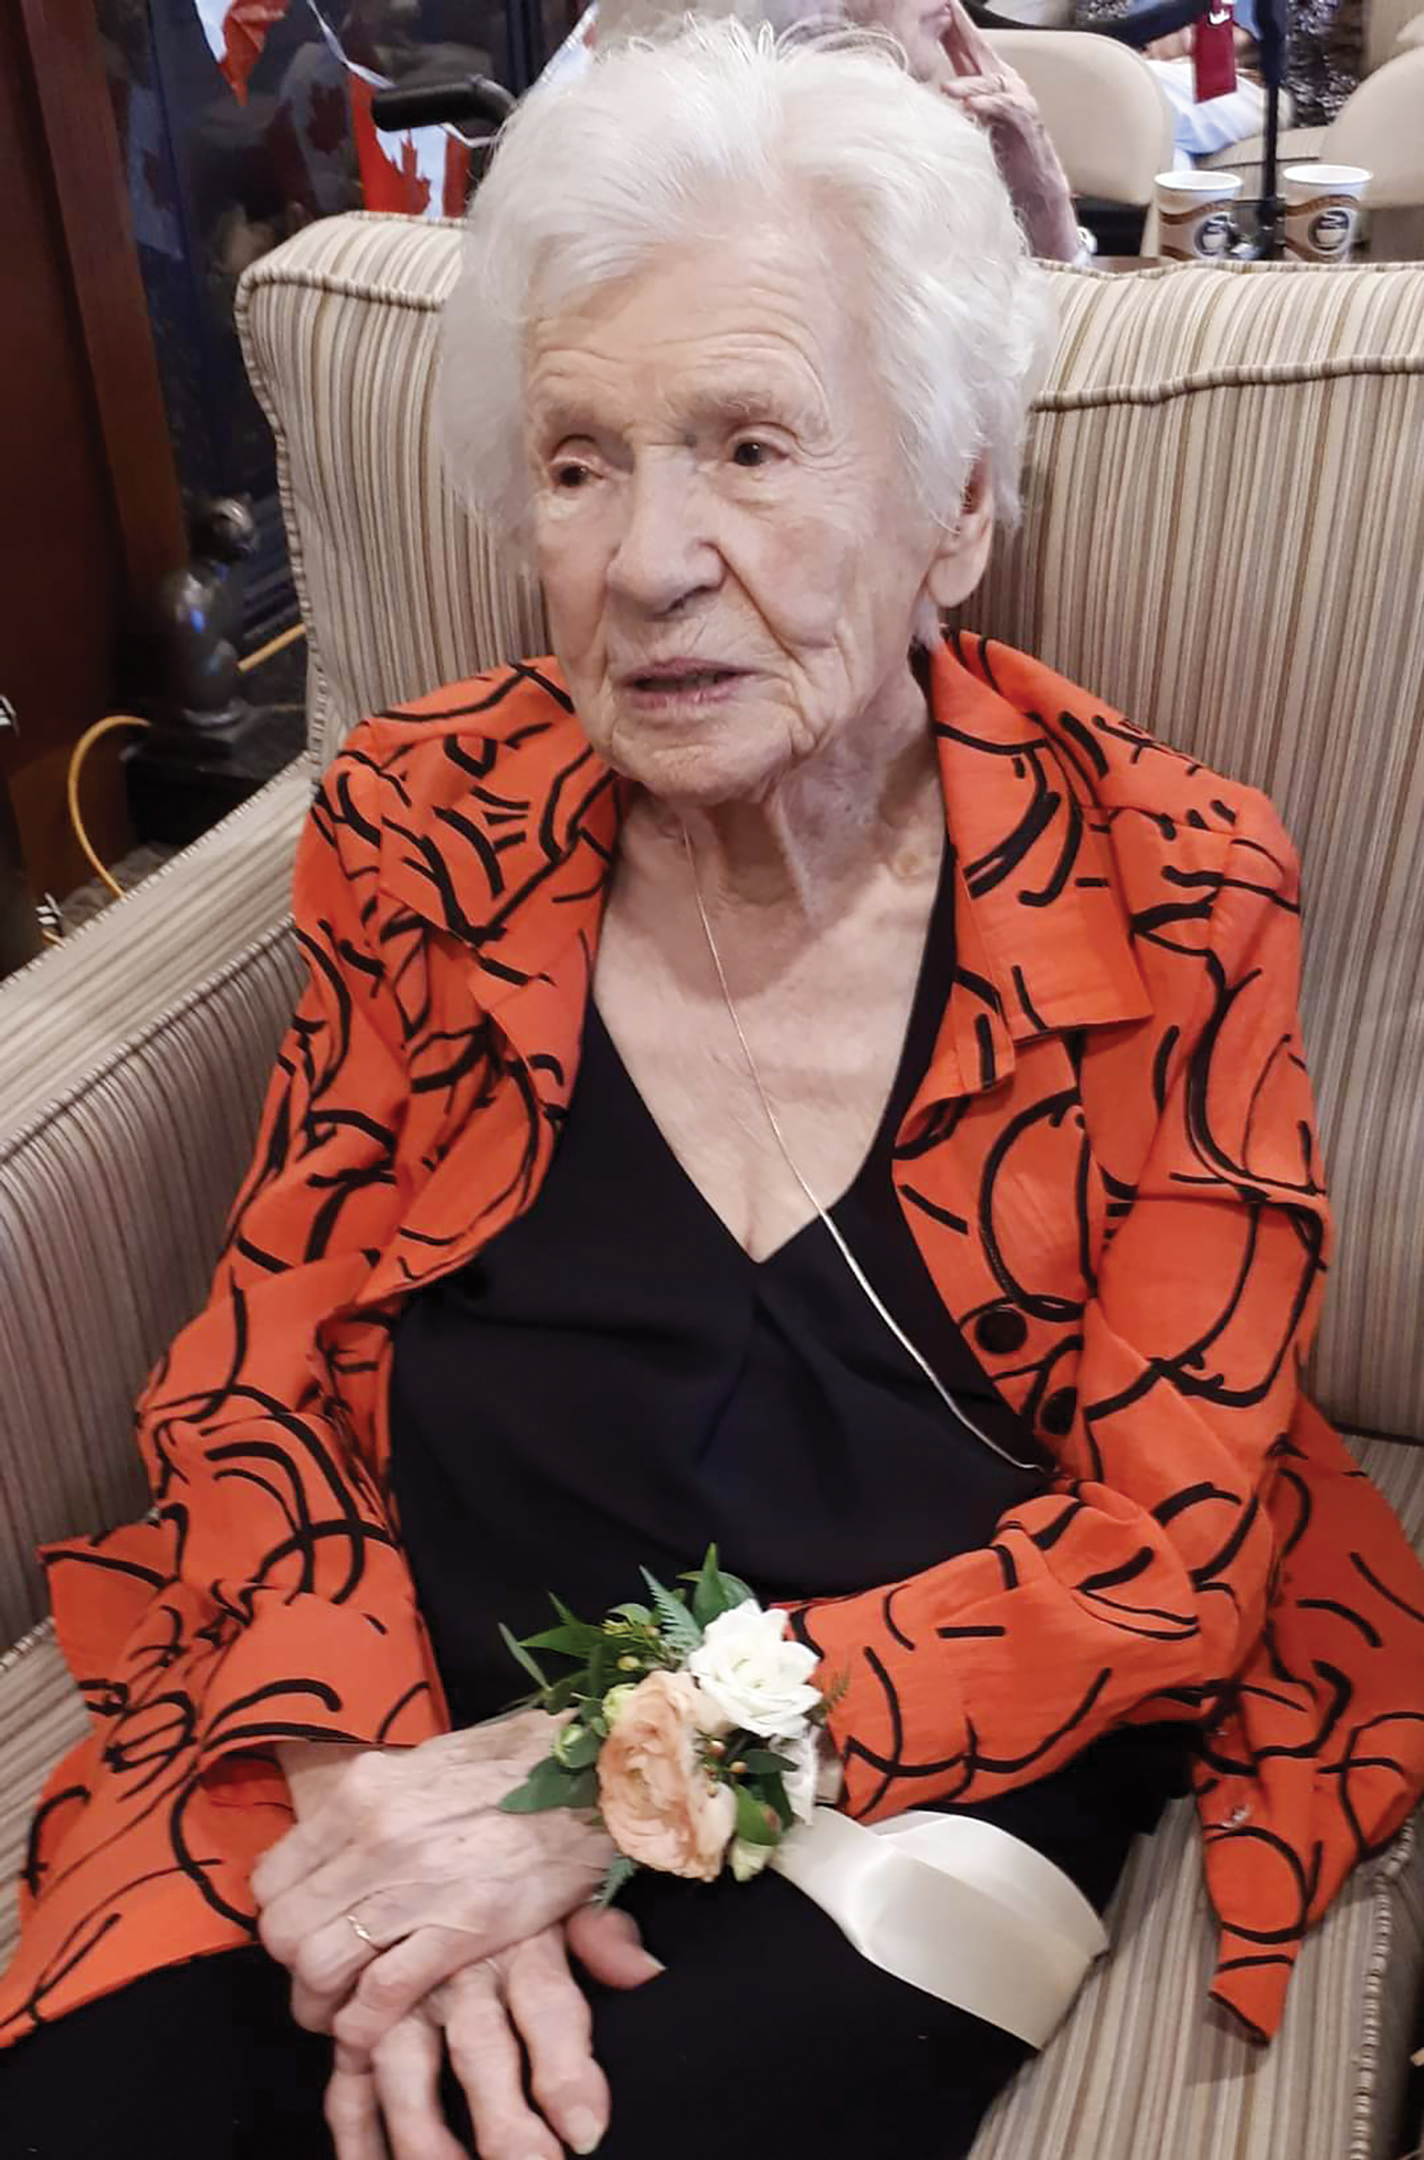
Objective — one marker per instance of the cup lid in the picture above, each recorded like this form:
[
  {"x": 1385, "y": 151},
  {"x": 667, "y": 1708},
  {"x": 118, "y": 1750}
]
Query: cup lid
[
  {"x": 1193, "y": 180},
  {"x": 1314, "y": 175}
]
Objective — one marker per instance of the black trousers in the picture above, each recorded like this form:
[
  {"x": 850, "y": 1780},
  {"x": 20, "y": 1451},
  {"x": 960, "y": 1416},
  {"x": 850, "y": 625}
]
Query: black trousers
[
  {"x": 203, "y": 2062},
  {"x": 766, "y": 2036}
]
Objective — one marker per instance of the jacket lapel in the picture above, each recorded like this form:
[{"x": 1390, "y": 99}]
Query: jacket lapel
[
  {"x": 993, "y": 1166},
  {"x": 512, "y": 865},
  {"x": 509, "y": 865}
]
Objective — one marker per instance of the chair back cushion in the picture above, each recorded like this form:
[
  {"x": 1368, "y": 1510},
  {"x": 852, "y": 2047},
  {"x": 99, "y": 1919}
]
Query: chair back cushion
[
  {"x": 1105, "y": 112},
  {"x": 1224, "y": 535},
  {"x": 399, "y": 590},
  {"x": 1386, "y": 23},
  {"x": 1382, "y": 128},
  {"x": 136, "y": 1056}
]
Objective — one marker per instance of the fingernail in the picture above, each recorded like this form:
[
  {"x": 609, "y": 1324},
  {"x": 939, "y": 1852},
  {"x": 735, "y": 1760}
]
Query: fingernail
[
  {"x": 585, "y": 2131},
  {"x": 654, "y": 1965}
]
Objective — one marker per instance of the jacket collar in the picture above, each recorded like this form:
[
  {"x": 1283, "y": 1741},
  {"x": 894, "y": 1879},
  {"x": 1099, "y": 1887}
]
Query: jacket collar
[
  {"x": 1043, "y": 944},
  {"x": 514, "y": 861}
]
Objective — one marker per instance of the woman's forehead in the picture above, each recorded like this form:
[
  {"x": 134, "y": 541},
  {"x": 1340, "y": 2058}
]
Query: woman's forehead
[
  {"x": 707, "y": 335},
  {"x": 576, "y": 388}
]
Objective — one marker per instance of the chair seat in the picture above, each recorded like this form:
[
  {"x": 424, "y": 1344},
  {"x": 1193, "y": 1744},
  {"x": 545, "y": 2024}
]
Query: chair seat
[{"x": 1143, "y": 2064}]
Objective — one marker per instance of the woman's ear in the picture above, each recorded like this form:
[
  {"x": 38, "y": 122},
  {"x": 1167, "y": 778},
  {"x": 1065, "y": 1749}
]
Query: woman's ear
[{"x": 962, "y": 555}]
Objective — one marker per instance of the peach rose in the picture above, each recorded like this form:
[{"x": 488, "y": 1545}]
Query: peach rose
[{"x": 656, "y": 1800}]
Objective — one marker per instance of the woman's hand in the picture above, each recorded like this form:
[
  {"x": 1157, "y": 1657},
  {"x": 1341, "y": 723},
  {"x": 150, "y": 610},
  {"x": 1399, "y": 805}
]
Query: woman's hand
[
  {"x": 480, "y": 2017},
  {"x": 413, "y": 1846},
  {"x": 983, "y": 85}
]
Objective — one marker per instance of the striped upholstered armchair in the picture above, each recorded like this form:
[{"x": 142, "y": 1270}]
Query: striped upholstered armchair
[{"x": 1225, "y": 534}]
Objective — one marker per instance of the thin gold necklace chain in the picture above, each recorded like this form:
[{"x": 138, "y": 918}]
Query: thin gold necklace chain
[{"x": 945, "y": 1395}]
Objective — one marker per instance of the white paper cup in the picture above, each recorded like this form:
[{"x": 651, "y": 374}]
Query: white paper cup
[
  {"x": 1322, "y": 210},
  {"x": 1194, "y": 214}
]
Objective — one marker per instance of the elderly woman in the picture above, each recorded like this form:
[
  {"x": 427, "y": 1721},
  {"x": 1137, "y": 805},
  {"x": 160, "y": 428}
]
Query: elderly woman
[{"x": 767, "y": 1075}]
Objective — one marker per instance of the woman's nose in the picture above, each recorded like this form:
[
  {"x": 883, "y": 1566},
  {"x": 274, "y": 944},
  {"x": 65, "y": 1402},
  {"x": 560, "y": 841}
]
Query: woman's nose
[{"x": 664, "y": 553}]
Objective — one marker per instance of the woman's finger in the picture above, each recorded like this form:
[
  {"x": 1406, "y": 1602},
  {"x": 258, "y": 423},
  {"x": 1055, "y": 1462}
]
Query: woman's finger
[
  {"x": 325, "y": 1968},
  {"x": 993, "y": 108},
  {"x": 609, "y": 1945},
  {"x": 551, "y": 2013},
  {"x": 486, "y": 2058},
  {"x": 398, "y": 1982},
  {"x": 1000, "y": 114},
  {"x": 353, "y": 2110},
  {"x": 407, "y": 2079},
  {"x": 319, "y": 1899},
  {"x": 965, "y": 43},
  {"x": 969, "y": 89}
]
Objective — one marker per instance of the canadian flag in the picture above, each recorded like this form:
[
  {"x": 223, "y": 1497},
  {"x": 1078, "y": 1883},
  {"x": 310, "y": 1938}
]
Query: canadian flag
[
  {"x": 236, "y": 30},
  {"x": 423, "y": 173}
]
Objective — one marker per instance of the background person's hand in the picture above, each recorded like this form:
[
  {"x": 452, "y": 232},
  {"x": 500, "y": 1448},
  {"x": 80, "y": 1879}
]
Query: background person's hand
[
  {"x": 1177, "y": 45},
  {"x": 412, "y": 1843},
  {"x": 524, "y": 2001},
  {"x": 995, "y": 95}
]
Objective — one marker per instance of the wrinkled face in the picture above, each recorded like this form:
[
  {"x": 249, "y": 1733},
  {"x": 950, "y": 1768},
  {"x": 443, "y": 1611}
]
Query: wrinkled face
[
  {"x": 729, "y": 548},
  {"x": 918, "y": 26}
]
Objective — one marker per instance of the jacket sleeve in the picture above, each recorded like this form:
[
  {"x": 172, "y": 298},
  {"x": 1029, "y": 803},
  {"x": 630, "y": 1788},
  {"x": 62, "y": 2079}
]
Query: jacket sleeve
[
  {"x": 1134, "y": 1588},
  {"x": 267, "y": 1584}
]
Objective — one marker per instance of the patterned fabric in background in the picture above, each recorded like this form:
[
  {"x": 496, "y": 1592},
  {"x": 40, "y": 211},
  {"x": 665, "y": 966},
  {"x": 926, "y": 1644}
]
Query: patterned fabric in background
[{"x": 1324, "y": 60}]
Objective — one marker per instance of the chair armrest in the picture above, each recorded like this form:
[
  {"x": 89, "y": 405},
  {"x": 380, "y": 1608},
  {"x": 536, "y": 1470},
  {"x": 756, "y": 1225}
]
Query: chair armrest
[{"x": 136, "y": 1057}]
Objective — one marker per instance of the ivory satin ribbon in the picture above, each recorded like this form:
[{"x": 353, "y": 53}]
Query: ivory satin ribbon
[{"x": 953, "y": 1906}]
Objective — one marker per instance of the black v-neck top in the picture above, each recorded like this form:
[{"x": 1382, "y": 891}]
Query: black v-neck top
[{"x": 613, "y": 1383}]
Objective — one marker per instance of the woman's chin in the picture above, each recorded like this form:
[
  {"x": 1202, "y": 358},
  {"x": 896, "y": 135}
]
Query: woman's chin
[{"x": 699, "y": 760}]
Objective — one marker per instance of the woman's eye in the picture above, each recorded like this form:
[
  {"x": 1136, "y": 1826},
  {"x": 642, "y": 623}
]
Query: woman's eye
[
  {"x": 752, "y": 453},
  {"x": 568, "y": 476}
]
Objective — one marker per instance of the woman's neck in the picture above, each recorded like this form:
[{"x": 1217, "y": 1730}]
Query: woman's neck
[{"x": 868, "y": 802}]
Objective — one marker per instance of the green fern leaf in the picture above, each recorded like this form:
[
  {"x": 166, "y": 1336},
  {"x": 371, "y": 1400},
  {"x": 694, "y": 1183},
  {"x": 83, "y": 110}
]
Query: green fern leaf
[{"x": 675, "y": 1623}]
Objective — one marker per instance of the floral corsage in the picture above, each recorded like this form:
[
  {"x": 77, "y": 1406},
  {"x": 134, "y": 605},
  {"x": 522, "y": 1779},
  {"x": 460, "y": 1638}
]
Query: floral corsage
[{"x": 695, "y": 1729}]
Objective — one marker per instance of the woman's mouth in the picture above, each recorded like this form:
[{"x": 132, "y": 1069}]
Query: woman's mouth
[{"x": 681, "y": 682}]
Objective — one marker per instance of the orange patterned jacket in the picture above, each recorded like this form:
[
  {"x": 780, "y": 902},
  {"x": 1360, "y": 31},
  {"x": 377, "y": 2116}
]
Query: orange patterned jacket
[{"x": 1111, "y": 1170}]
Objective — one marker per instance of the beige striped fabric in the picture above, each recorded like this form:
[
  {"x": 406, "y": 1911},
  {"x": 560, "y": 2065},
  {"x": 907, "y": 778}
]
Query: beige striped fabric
[
  {"x": 1224, "y": 534},
  {"x": 81, "y": 1000},
  {"x": 1136, "y": 2069},
  {"x": 135, "y": 1057},
  {"x": 42, "y": 1716},
  {"x": 400, "y": 592}
]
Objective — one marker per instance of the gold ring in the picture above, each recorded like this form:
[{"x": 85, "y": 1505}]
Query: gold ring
[{"x": 366, "y": 1936}]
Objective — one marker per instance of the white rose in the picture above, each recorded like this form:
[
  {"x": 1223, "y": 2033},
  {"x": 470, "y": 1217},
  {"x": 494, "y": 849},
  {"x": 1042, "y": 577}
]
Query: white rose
[{"x": 752, "y": 1674}]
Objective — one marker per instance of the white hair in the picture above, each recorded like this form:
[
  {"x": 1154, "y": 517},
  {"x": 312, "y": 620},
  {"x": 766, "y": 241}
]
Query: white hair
[{"x": 695, "y": 137}]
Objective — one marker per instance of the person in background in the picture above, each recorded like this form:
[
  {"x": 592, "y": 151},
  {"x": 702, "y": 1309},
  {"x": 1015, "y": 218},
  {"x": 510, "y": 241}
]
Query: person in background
[
  {"x": 1199, "y": 129},
  {"x": 1324, "y": 63},
  {"x": 947, "y": 50}
]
